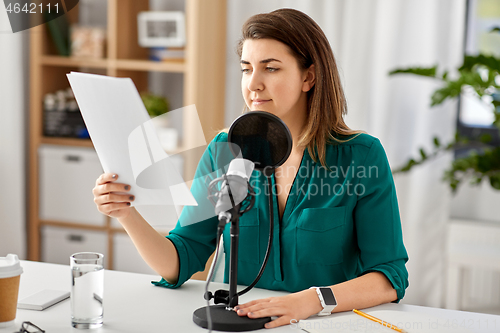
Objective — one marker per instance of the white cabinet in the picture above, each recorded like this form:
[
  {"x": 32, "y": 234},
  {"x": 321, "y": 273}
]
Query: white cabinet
[
  {"x": 67, "y": 177},
  {"x": 58, "y": 244},
  {"x": 473, "y": 265}
]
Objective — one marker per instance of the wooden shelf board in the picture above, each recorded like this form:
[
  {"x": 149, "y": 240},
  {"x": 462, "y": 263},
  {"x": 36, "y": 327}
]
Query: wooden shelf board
[
  {"x": 60, "y": 61},
  {"x": 67, "y": 141},
  {"x": 117, "y": 230},
  {"x": 85, "y": 143},
  {"x": 174, "y": 65},
  {"x": 73, "y": 225}
]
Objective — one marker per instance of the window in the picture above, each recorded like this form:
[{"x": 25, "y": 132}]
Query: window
[{"x": 475, "y": 116}]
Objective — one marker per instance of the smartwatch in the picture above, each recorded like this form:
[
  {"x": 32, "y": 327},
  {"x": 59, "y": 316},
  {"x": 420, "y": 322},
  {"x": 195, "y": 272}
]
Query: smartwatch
[{"x": 327, "y": 299}]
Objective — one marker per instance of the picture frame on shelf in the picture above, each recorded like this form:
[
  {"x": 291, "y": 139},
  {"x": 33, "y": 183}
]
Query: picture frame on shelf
[
  {"x": 88, "y": 41},
  {"x": 161, "y": 29}
]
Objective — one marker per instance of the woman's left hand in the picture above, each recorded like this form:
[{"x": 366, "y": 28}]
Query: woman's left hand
[{"x": 289, "y": 309}]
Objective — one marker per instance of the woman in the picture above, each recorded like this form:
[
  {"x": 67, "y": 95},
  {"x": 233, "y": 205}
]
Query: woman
[{"x": 337, "y": 218}]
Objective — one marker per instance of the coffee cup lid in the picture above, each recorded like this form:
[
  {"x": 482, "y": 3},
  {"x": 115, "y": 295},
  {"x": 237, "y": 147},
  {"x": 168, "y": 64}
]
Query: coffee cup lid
[{"x": 10, "y": 266}]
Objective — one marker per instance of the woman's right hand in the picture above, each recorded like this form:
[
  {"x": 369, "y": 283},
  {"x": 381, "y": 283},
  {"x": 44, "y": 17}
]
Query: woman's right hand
[{"x": 107, "y": 199}]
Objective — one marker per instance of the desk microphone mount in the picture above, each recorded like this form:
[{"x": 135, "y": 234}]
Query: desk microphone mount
[
  {"x": 264, "y": 139},
  {"x": 223, "y": 317}
]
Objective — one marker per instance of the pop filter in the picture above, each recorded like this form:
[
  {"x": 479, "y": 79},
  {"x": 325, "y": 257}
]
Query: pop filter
[{"x": 262, "y": 138}]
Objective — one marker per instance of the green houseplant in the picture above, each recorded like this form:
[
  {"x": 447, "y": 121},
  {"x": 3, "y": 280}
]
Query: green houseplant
[
  {"x": 482, "y": 74},
  {"x": 155, "y": 105}
]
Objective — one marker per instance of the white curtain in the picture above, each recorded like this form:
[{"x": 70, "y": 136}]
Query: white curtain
[
  {"x": 369, "y": 38},
  {"x": 13, "y": 114}
]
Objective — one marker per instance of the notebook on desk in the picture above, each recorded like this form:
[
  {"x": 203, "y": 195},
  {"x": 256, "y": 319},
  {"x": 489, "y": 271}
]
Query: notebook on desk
[{"x": 42, "y": 299}]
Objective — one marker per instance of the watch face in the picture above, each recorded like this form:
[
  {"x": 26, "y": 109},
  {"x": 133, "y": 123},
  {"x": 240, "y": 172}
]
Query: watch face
[{"x": 328, "y": 296}]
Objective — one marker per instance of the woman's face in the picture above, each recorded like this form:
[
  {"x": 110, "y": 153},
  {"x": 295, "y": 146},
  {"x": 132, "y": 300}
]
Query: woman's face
[{"x": 272, "y": 80}]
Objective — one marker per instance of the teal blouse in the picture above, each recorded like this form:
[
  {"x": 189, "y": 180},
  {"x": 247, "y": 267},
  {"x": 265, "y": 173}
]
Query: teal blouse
[{"x": 338, "y": 223}]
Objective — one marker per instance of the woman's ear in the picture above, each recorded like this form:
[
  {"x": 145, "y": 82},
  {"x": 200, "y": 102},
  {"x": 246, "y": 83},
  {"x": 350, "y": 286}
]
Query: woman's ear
[{"x": 310, "y": 78}]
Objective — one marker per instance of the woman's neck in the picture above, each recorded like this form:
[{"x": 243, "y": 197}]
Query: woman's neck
[{"x": 296, "y": 125}]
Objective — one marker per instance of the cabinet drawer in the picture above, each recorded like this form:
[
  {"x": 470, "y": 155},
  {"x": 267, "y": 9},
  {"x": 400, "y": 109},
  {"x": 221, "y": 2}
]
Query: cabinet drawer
[
  {"x": 58, "y": 244},
  {"x": 67, "y": 177}
]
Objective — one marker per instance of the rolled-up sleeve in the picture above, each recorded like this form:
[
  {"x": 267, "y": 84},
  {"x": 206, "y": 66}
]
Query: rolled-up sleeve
[
  {"x": 378, "y": 224},
  {"x": 196, "y": 230}
]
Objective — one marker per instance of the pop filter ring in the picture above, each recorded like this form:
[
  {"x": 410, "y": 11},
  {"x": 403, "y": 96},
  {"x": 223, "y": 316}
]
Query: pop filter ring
[{"x": 272, "y": 117}]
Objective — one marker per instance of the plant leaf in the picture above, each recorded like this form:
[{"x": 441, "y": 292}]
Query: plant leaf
[
  {"x": 423, "y": 154},
  {"x": 450, "y": 90},
  {"x": 489, "y": 61},
  {"x": 437, "y": 144},
  {"x": 422, "y": 71}
]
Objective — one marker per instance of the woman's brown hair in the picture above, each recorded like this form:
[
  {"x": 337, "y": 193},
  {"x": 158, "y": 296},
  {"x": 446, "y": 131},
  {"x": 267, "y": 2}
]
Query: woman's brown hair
[{"x": 326, "y": 103}]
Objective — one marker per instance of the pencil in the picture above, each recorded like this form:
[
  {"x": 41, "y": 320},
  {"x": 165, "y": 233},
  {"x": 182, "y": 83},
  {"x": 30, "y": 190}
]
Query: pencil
[{"x": 381, "y": 322}]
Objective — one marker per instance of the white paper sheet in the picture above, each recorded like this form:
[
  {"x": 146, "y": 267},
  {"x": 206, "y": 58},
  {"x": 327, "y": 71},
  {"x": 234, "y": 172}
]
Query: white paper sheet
[{"x": 125, "y": 140}]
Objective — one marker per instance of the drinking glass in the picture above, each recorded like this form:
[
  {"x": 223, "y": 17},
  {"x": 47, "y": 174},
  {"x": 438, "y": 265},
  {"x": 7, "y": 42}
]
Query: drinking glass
[{"x": 87, "y": 286}]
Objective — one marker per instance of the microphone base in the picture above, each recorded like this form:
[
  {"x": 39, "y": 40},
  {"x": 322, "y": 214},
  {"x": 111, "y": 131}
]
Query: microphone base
[{"x": 227, "y": 320}]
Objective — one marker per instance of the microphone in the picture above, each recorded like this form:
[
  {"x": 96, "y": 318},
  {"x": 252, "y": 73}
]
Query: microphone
[{"x": 234, "y": 188}]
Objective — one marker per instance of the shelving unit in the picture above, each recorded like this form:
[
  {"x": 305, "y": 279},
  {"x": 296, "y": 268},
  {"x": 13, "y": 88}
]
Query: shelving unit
[{"x": 204, "y": 75}]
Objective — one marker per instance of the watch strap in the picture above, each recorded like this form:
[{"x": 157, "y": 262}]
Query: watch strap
[{"x": 327, "y": 308}]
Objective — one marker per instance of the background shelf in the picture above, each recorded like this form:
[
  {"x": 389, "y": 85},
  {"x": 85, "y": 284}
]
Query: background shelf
[
  {"x": 66, "y": 141},
  {"x": 59, "y": 61},
  {"x": 200, "y": 84},
  {"x": 173, "y": 66}
]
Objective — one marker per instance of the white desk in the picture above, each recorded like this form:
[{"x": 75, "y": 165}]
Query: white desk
[{"x": 133, "y": 304}]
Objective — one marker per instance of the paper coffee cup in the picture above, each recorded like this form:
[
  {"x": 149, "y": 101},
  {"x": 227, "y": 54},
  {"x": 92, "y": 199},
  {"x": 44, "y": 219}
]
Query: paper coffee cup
[{"x": 10, "y": 275}]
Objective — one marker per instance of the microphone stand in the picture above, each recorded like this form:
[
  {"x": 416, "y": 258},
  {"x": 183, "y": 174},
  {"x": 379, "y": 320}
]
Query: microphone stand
[
  {"x": 223, "y": 317},
  {"x": 268, "y": 172},
  {"x": 233, "y": 260}
]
